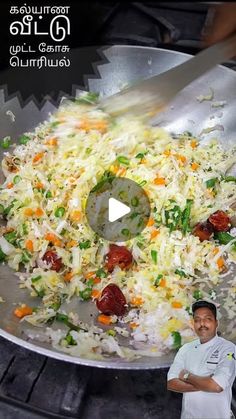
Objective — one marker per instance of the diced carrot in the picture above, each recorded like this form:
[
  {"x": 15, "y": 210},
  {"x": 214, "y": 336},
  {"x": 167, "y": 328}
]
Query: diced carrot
[
  {"x": 122, "y": 171},
  {"x": 136, "y": 301},
  {"x": 102, "y": 318},
  {"x": 29, "y": 245},
  {"x": 76, "y": 215},
  {"x": 38, "y": 212},
  {"x": 215, "y": 251},
  {"x": 154, "y": 234},
  {"x": 162, "y": 283},
  {"x": 150, "y": 222},
  {"x": 28, "y": 212},
  {"x": 89, "y": 275},
  {"x": 23, "y": 311},
  {"x": 52, "y": 141},
  {"x": 10, "y": 185},
  {"x": 71, "y": 243},
  {"x": 50, "y": 237},
  {"x": 176, "y": 304},
  {"x": 133, "y": 325},
  {"x": 167, "y": 153},
  {"x": 143, "y": 161},
  {"x": 181, "y": 158},
  {"x": 68, "y": 276},
  {"x": 193, "y": 143},
  {"x": 53, "y": 238},
  {"x": 97, "y": 280},
  {"x": 159, "y": 181},
  {"x": 220, "y": 263},
  {"x": 39, "y": 185},
  {"x": 88, "y": 125},
  {"x": 96, "y": 294},
  {"x": 38, "y": 157},
  {"x": 194, "y": 166}
]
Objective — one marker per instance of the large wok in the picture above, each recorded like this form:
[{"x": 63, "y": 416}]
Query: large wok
[{"x": 125, "y": 64}]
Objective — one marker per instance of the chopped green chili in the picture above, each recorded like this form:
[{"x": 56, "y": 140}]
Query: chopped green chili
[
  {"x": 135, "y": 201},
  {"x": 16, "y": 179},
  {"x": 123, "y": 160},
  {"x": 86, "y": 294}
]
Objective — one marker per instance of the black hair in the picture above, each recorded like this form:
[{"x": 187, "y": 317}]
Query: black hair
[{"x": 202, "y": 303}]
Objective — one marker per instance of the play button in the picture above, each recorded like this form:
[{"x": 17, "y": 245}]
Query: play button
[{"x": 117, "y": 209}]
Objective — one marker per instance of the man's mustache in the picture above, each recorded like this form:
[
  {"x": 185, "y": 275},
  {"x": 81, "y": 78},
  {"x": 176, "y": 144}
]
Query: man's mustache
[{"x": 203, "y": 328}]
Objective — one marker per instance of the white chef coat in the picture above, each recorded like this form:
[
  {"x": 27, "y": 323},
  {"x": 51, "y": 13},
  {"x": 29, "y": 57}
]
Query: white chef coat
[{"x": 217, "y": 357}]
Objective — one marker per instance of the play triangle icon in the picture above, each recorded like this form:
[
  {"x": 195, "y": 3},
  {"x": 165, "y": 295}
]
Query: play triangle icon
[{"x": 117, "y": 210}]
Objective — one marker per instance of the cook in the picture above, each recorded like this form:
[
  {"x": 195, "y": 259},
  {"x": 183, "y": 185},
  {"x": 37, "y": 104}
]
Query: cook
[{"x": 204, "y": 369}]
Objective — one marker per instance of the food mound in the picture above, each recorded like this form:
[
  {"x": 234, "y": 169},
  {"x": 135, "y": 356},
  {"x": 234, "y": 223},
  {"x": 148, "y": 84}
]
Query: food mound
[{"x": 140, "y": 290}]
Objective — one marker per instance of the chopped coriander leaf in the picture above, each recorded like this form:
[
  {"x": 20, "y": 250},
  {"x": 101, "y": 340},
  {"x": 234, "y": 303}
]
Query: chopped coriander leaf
[
  {"x": 54, "y": 124},
  {"x": 85, "y": 244},
  {"x": 36, "y": 278},
  {"x": 5, "y": 143},
  {"x": 186, "y": 216},
  {"x": 189, "y": 310},
  {"x": 101, "y": 273},
  {"x": 197, "y": 294},
  {"x": 224, "y": 238},
  {"x": 173, "y": 217},
  {"x": 210, "y": 183},
  {"x": 24, "y": 139},
  {"x": 141, "y": 155},
  {"x": 107, "y": 177},
  {"x": 154, "y": 256},
  {"x": 176, "y": 340},
  {"x": 125, "y": 232},
  {"x": 180, "y": 273},
  {"x": 2, "y": 256},
  {"x": 88, "y": 98},
  {"x": 10, "y": 237},
  {"x": 55, "y": 306},
  {"x": 48, "y": 194},
  {"x": 90, "y": 283}
]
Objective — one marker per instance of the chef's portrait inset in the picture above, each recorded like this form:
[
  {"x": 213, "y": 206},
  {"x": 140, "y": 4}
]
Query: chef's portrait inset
[{"x": 204, "y": 370}]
